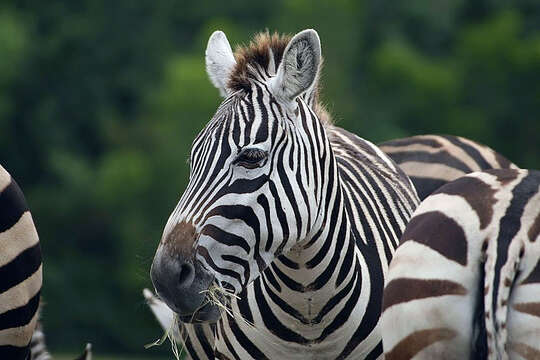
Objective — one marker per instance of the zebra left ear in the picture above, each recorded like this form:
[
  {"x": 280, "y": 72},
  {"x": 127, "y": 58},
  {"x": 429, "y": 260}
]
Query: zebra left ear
[
  {"x": 219, "y": 61},
  {"x": 299, "y": 67}
]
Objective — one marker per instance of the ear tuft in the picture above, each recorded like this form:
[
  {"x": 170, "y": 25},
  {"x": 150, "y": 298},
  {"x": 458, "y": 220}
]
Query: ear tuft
[
  {"x": 219, "y": 61},
  {"x": 299, "y": 68}
]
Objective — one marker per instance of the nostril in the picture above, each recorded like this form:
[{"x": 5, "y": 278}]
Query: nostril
[{"x": 186, "y": 275}]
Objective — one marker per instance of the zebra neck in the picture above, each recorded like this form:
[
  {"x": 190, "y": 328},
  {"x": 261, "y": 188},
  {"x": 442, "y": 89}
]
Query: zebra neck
[{"x": 310, "y": 274}]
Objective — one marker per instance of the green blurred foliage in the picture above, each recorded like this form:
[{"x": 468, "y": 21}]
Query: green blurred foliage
[{"x": 100, "y": 100}]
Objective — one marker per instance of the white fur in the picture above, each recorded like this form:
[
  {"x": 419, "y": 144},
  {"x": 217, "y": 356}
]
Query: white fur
[
  {"x": 219, "y": 61},
  {"x": 299, "y": 69}
]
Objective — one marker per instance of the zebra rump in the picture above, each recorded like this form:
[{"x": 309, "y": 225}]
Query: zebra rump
[
  {"x": 465, "y": 281},
  {"x": 20, "y": 271}
]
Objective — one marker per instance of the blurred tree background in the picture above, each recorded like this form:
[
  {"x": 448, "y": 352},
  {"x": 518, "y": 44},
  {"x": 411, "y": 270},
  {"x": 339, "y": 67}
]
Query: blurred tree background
[{"x": 100, "y": 100}]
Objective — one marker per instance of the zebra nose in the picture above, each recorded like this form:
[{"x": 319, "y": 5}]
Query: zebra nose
[
  {"x": 168, "y": 273},
  {"x": 173, "y": 266}
]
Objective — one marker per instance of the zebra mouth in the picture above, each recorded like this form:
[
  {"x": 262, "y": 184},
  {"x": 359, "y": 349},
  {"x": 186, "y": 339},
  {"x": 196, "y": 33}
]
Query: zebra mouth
[{"x": 207, "y": 313}]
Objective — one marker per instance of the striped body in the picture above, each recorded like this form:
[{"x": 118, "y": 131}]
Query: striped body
[
  {"x": 465, "y": 281},
  {"x": 324, "y": 302},
  {"x": 20, "y": 271},
  {"x": 434, "y": 160},
  {"x": 301, "y": 230}
]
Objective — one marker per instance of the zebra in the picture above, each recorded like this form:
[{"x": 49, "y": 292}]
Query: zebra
[
  {"x": 21, "y": 277},
  {"x": 20, "y": 271},
  {"x": 465, "y": 281},
  {"x": 287, "y": 219},
  {"x": 434, "y": 160},
  {"x": 429, "y": 160}
]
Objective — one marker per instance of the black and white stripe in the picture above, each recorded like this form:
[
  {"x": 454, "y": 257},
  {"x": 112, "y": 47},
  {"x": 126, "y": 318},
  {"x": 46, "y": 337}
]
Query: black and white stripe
[
  {"x": 20, "y": 271},
  {"x": 465, "y": 281},
  {"x": 298, "y": 217},
  {"x": 38, "y": 346},
  {"x": 434, "y": 160}
]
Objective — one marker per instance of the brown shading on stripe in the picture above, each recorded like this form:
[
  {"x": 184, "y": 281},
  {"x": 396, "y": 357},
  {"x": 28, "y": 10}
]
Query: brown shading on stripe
[
  {"x": 534, "y": 276},
  {"x": 417, "y": 341},
  {"x": 477, "y": 193},
  {"x": 406, "y": 289},
  {"x": 534, "y": 230},
  {"x": 180, "y": 240},
  {"x": 439, "y": 232},
  {"x": 531, "y": 308},
  {"x": 524, "y": 350},
  {"x": 504, "y": 163},
  {"x": 413, "y": 140},
  {"x": 504, "y": 176}
]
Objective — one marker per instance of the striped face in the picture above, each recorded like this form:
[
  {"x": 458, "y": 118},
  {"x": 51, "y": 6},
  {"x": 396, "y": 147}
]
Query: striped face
[
  {"x": 252, "y": 189},
  {"x": 246, "y": 197}
]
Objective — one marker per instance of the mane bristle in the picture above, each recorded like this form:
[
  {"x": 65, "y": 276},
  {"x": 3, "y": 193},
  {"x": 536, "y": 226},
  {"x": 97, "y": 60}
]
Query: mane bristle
[{"x": 257, "y": 55}]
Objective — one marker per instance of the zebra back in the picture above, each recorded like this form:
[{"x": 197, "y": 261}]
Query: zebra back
[
  {"x": 434, "y": 160},
  {"x": 465, "y": 281},
  {"x": 20, "y": 271}
]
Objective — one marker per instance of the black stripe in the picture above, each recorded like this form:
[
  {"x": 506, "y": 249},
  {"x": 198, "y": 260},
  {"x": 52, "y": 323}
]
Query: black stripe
[
  {"x": 268, "y": 275},
  {"x": 272, "y": 323},
  {"x": 426, "y": 186},
  {"x": 262, "y": 131},
  {"x": 243, "y": 340},
  {"x": 224, "y": 237},
  {"x": 20, "y": 316},
  {"x": 430, "y": 158},
  {"x": 20, "y": 268},
  {"x": 228, "y": 344},
  {"x": 286, "y": 280},
  {"x": 283, "y": 305},
  {"x": 334, "y": 300},
  {"x": 203, "y": 340},
  {"x": 470, "y": 150},
  {"x": 413, "y": 140},
  {"x": 12, "y": 206},
  {"x": 376, "y": 352},
  {"x": 14, "y": 352}
]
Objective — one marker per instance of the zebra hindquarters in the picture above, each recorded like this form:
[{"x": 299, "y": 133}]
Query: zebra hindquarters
[
  {"x": 20, "y": 271},
  {"x": 435, "y": 286}
]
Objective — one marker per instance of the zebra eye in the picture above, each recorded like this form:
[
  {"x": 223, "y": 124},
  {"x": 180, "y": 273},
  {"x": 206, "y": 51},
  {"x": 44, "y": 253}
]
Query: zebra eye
[{"x": 251, "y": 158}]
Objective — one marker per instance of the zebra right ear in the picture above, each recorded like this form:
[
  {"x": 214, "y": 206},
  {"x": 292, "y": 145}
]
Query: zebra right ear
[{"x": 219, "y": 61}]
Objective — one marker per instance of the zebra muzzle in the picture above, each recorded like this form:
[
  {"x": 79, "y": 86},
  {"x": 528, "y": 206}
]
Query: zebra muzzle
[{"x": 181, "y": 282}]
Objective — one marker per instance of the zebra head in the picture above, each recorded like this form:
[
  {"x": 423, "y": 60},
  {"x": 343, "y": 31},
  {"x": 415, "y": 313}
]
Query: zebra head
[{"x": 255, "y": 176}]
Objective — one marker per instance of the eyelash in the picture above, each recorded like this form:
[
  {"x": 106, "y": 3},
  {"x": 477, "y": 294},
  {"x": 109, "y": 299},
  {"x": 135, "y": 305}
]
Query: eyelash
[{"x": 250, "y": 158}]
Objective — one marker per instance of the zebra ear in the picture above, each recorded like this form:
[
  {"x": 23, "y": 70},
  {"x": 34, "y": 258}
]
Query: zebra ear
[
  {"x": 299, "y": 68},
  {"x": 219, "y": 61}
]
